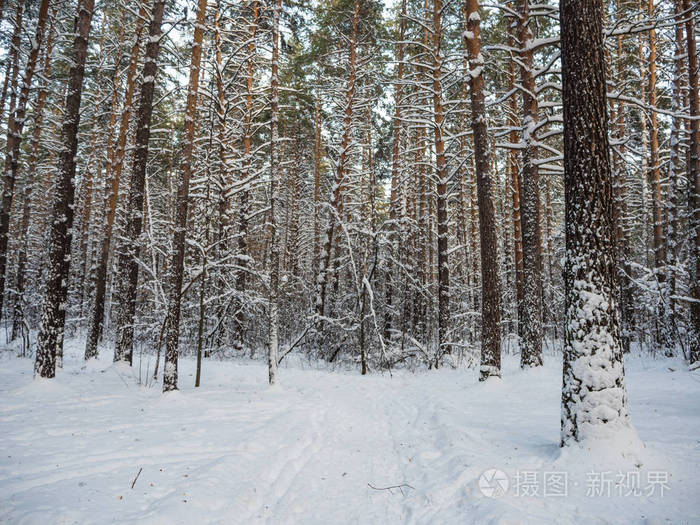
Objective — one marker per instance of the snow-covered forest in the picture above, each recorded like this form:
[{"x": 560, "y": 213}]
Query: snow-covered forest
[{"x": 396, "y": 256}]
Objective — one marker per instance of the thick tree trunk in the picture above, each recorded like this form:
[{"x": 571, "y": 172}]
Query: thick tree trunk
[
  {"x": 594, "y": 398},
  {"x": 50, "y": 339},
  {"x": 183, "y": 191},
  {"x": 127, "y": 264},
  {"x": 490, "y": 289}
]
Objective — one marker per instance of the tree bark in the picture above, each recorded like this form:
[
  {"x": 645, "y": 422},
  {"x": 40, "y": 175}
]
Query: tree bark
[
  {"x": 693, "y": 182},
  {"x": 594, "y": 398},
  {"x": 531, "y": 341},
  {"x": 115, "y": 161},
  {"x": 440, "y": 188},
  {"x": 50, "y": 338},
  {"x": 15, "y": 127},
  {"x": 490, "y": 288},
  {"x": 183, "y": 189},
  {"x": 127, "y": 263},
  {"x": 18, "y": 314}
]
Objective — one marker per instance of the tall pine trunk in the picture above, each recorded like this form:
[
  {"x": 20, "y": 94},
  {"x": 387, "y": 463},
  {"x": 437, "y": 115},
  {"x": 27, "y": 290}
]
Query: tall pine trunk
[
  {"x": 275, "y": 183},
  {"x": 531, "y": 322},
  {"x": 490, "y": 289},
  {"x": 15, "y": 127},
  {"x": 693, "y": 182},
  {"x": 441, "y": 176},
  {"x": 18, "y": 307},
  {"x": 127, "y": 263},
  {"x": 594, "y": 398},
  {"x": 50, "y": 339},
  {"x": 183, "y": 191},
  {"x": 115, "y": 161}
]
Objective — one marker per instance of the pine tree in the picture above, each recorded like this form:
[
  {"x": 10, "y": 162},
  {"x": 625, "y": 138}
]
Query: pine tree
[
  {"x": 50, "y": 339},
  {"x": 183, "y": 189},
  {"x": 127, "y": 263},
  {"x": 275, "y": 182},
  {"x": 490, "y": 289},
  {"x": 594, "y": 397},
  {"x": 531, "y": 329},
  {"x": 115, "y": 162}
]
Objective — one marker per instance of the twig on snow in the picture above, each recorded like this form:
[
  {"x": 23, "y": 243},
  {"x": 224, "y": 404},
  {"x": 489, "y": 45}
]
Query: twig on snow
[
  {"x": 400, "y": 487},
  {"x": 137, "y": 477}
]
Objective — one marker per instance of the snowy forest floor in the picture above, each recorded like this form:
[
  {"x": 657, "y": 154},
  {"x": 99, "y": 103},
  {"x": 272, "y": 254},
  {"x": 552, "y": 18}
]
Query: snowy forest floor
[{"x": 237, "y": 451}]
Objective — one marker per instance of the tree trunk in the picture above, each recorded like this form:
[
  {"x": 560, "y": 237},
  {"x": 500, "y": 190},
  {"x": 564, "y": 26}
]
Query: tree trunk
[
  {"x": 115, "y": 161},
  {"x": 531, "y": 342},
  {"x": 441, "y": 189},
  {"x": 336, "y": 194},
  {"x": 275, "y": 183},
  {"x": 516, "y": 183},
  {"x": 693, "y": 182},
  {"x": 183, "y": 189},
  {"x": 317, "y": 183},
  {"x": 594, "y": 398},
  {"x": 12, "y": 68},
  {"x": 244, "y": 205},
  {"x": 127, "y": 264},
  {"x": 490, "y": 289},
  {"x": 15, "y": 126},
  {"x": 50, "y": 339},
  {"x": 395, "y": 162},
  {"x": 654, "y": 168},
  {"x": 18, "y": 314}
]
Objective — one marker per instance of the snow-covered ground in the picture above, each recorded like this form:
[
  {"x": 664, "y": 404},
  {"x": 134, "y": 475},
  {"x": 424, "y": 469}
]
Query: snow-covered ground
[{"x": 325, "y": 447}]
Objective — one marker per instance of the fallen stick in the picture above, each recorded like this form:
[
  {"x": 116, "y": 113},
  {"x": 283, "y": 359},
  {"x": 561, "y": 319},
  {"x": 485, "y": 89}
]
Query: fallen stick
[
  {"x": 137, "y": 477},
  {"x": 400, "y": 487}
]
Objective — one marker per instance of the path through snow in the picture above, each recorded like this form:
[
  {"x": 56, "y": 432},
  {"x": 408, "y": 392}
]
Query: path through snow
[{"x": 236, "y": 451}]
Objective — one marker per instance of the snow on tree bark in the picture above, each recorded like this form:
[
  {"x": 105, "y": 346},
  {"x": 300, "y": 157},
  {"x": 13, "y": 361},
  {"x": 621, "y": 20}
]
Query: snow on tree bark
[
  {"x": 594, "y": 397},
  {"x": 531, "y": 322},
  {"x": 115, "y": 162},
  {"x": 14, "y": 136},
  {"x": 183, "y": 189},
  {"x": 50, "y": 338},
  {"x": 693, "y": 183},
  {"x": 490, "y": 286},
  {"x": 275, "y": 182},
  {"x": 18, "y": 307},
  {"x": 127, "y": 263},
  {"x": 440, "y": 187}
]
